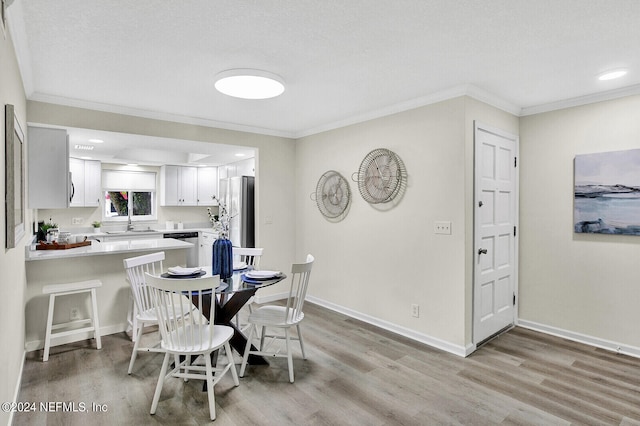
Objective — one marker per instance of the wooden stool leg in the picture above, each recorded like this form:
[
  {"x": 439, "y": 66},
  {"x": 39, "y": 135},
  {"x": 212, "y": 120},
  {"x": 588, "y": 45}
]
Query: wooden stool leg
[
  {"x": 47, "y": 336},
  {"x": 96, "y": 322}
]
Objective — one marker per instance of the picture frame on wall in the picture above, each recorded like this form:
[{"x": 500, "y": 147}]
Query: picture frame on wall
[
  {"x": 14, "y": 179},
  {"x": 607, "y": 193},
  {"x": 3, "y": 17}
]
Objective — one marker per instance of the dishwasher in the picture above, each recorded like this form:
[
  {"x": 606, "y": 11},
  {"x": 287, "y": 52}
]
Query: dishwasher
[{"x": 190, "y": 237}]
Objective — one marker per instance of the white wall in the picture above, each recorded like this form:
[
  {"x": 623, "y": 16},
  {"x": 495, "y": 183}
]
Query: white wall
[
  {"x": 376, "y": 264},
  {"x": 13, "y": 281},
  {"x": 579, "y": 283}
]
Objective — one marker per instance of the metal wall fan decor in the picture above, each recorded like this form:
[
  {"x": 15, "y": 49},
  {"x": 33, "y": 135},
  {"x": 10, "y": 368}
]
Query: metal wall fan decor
[
  {"x": 381, "y": 177},
  {"x": 332, "y": 195}
]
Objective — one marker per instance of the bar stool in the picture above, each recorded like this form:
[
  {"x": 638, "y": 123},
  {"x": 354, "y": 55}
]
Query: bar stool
[{"x": 56, "y": 290}]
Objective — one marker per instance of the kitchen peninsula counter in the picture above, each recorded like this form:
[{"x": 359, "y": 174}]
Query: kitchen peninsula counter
[
  {"x": 107, "y": 248},
  {"x": 101, "y": 260}
]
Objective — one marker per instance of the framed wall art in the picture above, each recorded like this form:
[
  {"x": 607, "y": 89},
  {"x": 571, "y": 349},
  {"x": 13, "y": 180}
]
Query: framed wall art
[
  {"x": 3, "y": 17},
  {"x": 607, "y": 193},
  {"x": 14, "y": 179}
]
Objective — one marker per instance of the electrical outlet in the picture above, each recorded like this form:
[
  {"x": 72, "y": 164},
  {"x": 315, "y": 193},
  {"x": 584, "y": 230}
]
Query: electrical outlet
[
  {"x": 442, "y": 227},
  {"x": 74, "y": 314},
  {"x": 415, "y": 311},
  {"x": 77, "y": 221}
]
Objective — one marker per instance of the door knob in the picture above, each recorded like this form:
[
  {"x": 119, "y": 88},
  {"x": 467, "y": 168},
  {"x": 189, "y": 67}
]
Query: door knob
[{"x": 482, "y": 251}]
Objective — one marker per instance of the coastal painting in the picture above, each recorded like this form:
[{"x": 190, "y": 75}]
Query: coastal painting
[{"x": 607, "y": 193}]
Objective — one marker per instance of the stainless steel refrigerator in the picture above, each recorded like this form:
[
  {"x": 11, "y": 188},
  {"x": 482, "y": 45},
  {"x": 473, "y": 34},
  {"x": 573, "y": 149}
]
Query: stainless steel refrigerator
[{"x": 237, "y": 193}]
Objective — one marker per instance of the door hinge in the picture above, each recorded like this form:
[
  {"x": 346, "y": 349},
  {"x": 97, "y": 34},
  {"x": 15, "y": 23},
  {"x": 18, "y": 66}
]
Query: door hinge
[
  {"x": 515, "y": 161},
  {"x": 514, "y": 299},
  {"x": 514, "y": 231}
]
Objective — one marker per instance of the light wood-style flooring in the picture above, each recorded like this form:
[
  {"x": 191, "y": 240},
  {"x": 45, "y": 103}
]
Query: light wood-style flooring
[{"x": 355, "y": 374}]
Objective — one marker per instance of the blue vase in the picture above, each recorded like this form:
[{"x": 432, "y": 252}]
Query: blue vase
[{"x": 222, "y": 261}]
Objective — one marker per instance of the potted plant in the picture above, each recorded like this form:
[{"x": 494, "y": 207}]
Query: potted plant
[
  {"x": 96, "y": 226},
  {"x": 44, "y": 229}
]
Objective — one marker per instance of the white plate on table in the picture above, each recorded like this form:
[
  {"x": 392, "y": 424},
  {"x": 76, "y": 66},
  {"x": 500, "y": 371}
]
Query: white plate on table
[
  {"x": 262, "y": 275},
  {"x": 179, "y": 270}
]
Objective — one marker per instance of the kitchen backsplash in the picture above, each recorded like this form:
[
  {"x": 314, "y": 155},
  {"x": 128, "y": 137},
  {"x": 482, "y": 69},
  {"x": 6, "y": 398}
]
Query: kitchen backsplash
[{"x": 191, "y": 217}]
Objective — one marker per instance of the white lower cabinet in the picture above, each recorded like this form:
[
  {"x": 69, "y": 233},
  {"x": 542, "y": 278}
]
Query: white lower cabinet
[{"x": 206, "y": 248}]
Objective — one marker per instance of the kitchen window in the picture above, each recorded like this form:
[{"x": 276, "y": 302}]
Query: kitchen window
[{"x": 129, "y": 194}]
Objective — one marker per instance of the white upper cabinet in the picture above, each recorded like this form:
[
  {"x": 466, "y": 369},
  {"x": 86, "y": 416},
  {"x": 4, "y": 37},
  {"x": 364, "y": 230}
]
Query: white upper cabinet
[
  {"x": 48, "y": 156},
  {"x": 85, "y": 177},
  {"x": 178, "y": 186},
  {"x": 207, "y": 186}
]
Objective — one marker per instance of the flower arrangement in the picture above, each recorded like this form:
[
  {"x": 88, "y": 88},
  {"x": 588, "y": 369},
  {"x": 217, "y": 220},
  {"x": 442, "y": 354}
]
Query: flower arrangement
[{"x": 220, "y": 222}]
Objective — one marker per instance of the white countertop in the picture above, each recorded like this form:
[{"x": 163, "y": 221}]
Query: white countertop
[{"x": 108, "y": 247}]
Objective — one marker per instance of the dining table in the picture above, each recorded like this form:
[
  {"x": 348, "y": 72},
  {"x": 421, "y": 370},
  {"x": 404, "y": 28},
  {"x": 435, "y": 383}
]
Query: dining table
[{"x": 231, "y": 295}]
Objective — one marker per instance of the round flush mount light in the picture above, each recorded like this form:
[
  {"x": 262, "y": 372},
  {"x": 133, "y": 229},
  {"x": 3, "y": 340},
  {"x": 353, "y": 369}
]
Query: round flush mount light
[
  {"x": 612, "y": 74},
  {"x": 249, "y": 84}
]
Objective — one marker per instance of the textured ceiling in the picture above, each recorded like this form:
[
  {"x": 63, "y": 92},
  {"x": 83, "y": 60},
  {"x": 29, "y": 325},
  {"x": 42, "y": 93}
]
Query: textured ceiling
[{"x": 342, "y": 61}]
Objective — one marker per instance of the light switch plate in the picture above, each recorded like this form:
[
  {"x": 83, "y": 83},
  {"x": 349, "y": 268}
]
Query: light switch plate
[{"x": 442, "y": 227}]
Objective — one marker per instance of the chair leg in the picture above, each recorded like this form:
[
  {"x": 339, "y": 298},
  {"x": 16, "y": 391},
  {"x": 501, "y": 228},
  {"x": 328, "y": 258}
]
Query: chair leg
[
  {"x": 163, "y": 372},
  {"x": 234, "y": 373},
  {"x": 287, "y": 335},
  {"x": 47, "y": 336},
  {"x": 247, "y": 348},
  {"x": 94, "y": 317},
  {"x": 134, "y": 323},
  {"x": 263, "y": 331},
  {"x": 300, "y": 340},
  {"x": 210, "y": 391},
  {"x": 134, "y": 352}
]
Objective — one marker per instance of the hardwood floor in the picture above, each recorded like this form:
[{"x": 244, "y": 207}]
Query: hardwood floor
[{"x": 355, "y": 374}]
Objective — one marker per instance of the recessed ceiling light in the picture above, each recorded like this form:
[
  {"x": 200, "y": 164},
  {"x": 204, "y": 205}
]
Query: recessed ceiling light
[
  {"x": 86, "y": 158},
  {"x": 610, "y": 75},
  {"x": 132, "y": 164},
  {"x": 240, "y": 154},
  {"x": 96, "y": 140},
  {"x": 84, "y": 147},
  {"x": 249, "y": 84}
]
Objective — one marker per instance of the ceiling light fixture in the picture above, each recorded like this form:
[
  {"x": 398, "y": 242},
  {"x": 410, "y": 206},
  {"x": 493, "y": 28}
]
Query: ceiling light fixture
[
  {"x": 610, "y": 75},
  {"x": 84, "y": 147},
  {"x": 249, "y": 84},
  {"x": 240, "y": 154},
  {"x": 96, "y": 140}
]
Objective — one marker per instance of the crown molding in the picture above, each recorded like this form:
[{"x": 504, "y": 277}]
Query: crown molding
[
  {"x": 18, "y": 34},
  {"x": 582, "y": 100},
  {"x": 156, "y": 115},
  {"x": 444, "y": 95}
]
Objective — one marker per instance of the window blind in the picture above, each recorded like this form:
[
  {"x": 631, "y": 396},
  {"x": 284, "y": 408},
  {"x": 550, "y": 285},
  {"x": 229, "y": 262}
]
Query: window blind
[{"x": 125, "y": 180}]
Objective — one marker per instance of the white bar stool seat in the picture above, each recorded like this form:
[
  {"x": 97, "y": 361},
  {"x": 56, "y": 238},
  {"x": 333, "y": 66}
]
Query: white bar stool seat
[{"x": 56, "y": 290}]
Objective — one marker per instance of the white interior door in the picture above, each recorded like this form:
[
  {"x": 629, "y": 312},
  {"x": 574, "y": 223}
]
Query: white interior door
[{"x": 495, "y": 231}]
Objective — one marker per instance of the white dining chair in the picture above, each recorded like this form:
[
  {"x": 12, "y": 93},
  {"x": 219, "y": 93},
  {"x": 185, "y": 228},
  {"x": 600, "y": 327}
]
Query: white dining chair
[
  {"x": 143, "y": 313},
  {"x": 281, "y": 317},
  {"x": 191, "y": 336},
  {"x": 251, "y": 256}
]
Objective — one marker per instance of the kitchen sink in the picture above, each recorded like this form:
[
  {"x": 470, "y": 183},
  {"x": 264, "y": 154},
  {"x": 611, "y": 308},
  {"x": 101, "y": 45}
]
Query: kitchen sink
[{"x": 143, "y": 230}]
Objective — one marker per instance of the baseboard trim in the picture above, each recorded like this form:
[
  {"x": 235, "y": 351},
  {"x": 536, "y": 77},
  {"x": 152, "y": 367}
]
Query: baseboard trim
[
  {"x": 34, "y": 345},
  {"x": 271, "y": 298},
  {"x": 616, "y": 347},
  {"x": 461, "y": 351},
  {"x": 16, "y": 392}
]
